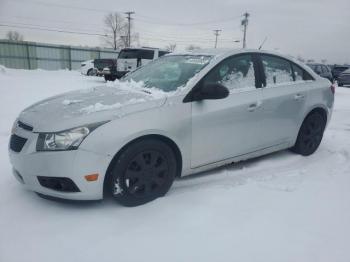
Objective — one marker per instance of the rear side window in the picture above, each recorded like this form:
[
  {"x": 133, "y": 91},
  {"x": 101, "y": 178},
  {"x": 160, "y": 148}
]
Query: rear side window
[
  {"x": 300, "y": 74},
  {"x": 146, "y": 54},
  {"x": 277, "y": 70},
  {"x": 236, "y": 72},
  {"x": 161, "y": 53},
  {"x": 130, "y": 53}
]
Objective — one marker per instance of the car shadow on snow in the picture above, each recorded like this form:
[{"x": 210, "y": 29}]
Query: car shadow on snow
[{"x": 276, "y": 165}]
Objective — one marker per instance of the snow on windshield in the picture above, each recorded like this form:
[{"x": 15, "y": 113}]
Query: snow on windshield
[{"x": 169, "y": 73}]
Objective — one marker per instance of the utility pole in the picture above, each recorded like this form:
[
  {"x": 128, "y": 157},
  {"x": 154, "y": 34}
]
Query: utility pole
[
  {"x": 216, "y": 33},
  {"x": 244, "y": 23},
  {"x": 129, "y": 26}
]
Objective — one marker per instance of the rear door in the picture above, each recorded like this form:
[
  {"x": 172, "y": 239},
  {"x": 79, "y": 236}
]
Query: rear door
[
  {"x": 284, "y": 99},
  {"x": 222, "y": 129}
]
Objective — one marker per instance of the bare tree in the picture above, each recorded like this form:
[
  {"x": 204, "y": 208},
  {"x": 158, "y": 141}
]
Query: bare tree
[
  {"x": 116, "y": 29},
  {"x": 192, "y": 47},
  {"x": 171, "y": 47},
  {"x": 14, "y": 36}
]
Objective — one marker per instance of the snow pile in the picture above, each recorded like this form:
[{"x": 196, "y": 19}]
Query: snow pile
[{"x": 2, "y": 69}]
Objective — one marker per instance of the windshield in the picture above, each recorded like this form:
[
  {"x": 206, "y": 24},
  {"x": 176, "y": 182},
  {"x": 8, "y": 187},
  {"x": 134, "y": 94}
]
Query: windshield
[{"x": 168, "y": 73}]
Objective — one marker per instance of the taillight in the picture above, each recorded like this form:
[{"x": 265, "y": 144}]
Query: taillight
[{"x": 332, "y": 87}]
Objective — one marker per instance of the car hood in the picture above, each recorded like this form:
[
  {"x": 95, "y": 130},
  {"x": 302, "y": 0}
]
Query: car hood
[{"x": 87, "y": 106}]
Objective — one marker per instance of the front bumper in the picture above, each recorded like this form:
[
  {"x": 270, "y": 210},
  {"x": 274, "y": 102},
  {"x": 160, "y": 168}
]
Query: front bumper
[{"x": 28, "y": 165}]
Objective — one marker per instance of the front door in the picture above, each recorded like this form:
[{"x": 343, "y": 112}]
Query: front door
[{"x": 222, "y": 129}]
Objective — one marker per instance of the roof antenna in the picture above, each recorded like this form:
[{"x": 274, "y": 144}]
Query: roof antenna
[{"x": 262, "y": 43}]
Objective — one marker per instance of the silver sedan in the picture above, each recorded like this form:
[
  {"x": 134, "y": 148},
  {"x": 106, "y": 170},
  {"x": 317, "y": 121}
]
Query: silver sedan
[{"x": 178, "y": 115}]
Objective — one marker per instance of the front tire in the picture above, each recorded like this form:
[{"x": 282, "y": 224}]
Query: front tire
[
  {"x": 310, "y": 134},
  {"x": 144, "y": 171}
]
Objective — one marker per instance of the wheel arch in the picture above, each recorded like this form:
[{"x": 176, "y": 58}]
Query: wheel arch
[
  {"x": 318, "y": 109},
  {"x": 162, "y": 138}
]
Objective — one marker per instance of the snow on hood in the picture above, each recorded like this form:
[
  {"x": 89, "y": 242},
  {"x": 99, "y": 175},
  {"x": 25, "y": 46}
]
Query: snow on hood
[{"x": 88, "y": 106}]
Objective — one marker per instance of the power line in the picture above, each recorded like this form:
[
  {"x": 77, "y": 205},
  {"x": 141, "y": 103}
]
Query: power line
[
  {"x": 51, "y": 30},
  {"x": 142, "y": 20},
  {"x": 53, "y": 21},
  {"x": 189, "y": 24},
  {"x": 66, "y": 6}
]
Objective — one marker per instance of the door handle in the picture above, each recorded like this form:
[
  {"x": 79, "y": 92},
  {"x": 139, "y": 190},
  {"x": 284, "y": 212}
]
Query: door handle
[{"x": 299, "y": 96}]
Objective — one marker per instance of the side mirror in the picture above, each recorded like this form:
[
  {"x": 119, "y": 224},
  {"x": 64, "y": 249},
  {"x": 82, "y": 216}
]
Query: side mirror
[{"x": 211, "y": 91}]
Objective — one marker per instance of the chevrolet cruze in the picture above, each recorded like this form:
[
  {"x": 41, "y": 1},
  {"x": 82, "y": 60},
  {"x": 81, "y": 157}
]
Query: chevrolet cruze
[{"x": 178, "y": 115}]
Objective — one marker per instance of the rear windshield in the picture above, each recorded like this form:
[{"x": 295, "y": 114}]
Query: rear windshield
[
  {"x": 136, "y": 53},
  {"x": 101, "y": 63}
]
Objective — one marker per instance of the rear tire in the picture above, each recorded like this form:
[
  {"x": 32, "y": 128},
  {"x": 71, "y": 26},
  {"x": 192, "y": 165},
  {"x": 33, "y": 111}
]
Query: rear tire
[
  {"x": 340, "y": 84},
  {"x": 90, "y": 72},
  {"x": 144, "y": 171},
  {"x": 310, "y": 134},
  {"x": 109, "y": 78}
]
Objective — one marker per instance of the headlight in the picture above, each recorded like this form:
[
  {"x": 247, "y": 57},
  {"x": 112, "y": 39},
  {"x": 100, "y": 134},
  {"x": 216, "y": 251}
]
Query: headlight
[{"x": 64, "y": 140}]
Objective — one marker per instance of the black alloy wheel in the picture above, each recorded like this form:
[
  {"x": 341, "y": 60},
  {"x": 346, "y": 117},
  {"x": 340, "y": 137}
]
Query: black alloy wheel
[
  {"x": 310, "y": 134},
  {"x": 143, "y": 172}
]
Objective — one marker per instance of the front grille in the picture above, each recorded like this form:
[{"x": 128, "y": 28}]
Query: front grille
[
  {"x": 24, "y": 126},
  {"x": 17, "y": 143}
]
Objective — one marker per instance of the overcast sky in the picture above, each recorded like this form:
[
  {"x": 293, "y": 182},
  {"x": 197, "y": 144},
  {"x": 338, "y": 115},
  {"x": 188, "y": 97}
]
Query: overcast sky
[{"x": 313, "y": 29}]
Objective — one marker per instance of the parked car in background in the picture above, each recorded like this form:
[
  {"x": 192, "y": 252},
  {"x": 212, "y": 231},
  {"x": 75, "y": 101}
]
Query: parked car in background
[
  {"x": 338, "y": 69},
  {"x": 344, "y": 78},
  {"x": 131, "y": 58},
  {"x": 87, "y": 68},
  {"x": 100, "y": 64},
  {"x": 186, "y": 113},
  {"x": 322, "y": 70}
]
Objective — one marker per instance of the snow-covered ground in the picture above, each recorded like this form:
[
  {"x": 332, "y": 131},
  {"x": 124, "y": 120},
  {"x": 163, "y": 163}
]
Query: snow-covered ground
[{"x": 280, "y": 207}]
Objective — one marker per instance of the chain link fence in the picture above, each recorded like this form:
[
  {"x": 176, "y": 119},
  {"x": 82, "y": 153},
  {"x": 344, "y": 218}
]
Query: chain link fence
[{"x": 31, "y": 55}]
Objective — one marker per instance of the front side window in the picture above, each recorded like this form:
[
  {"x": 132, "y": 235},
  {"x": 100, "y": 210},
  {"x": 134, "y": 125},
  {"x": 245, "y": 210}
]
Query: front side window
[
  {"x": 236, "y": 72},
  {"x": 168, "y": 73},
  {"x": 277, "y": 70}
]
